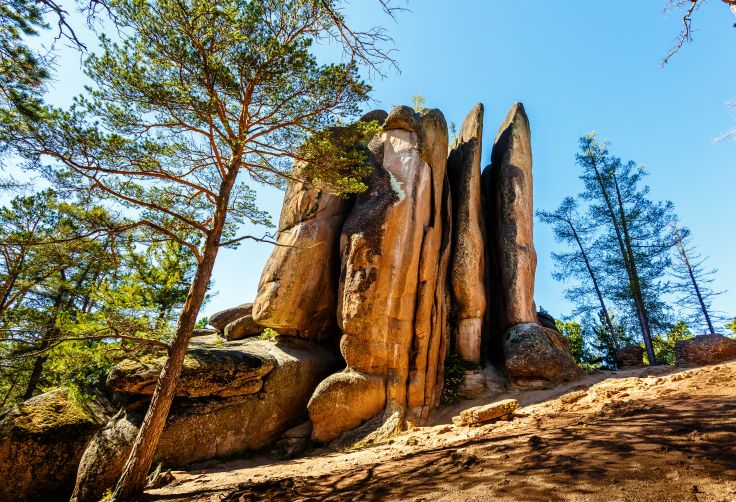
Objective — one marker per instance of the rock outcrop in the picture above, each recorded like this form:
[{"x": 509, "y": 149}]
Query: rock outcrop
[
  {"x": 630, "y": 357},
  {"x": 479, "y": 415},
  {"x": 242, "y": 328},
  {"x": 41, "y": 442},
  {"x": 201, "y": 429},
  {"x": 431, "y": 252},
  {"x": 391, "y": 299},
  {"x": 298, "y": 286},
  {"x": 467, "y": 267},
  {"x": 232, "y": 369},
  {"x": 705, "y": 349}
]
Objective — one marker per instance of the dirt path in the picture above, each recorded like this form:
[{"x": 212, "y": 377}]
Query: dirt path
[{"x": 641, "y": 435}]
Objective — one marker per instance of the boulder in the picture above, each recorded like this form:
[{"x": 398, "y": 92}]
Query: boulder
[
  {"x": 705, "y": 349},
  {"x": 344, "y": 401},
  {"x": 298, "y": 286},
  {"x": 377, "y": 115},
  {"x": 630, "y": 357},
  {"x": 509, "y": 217},
  {"x": 41, "y": 442},
  {"x": 210, "y": 369},
  {"x": 393, "y": 324},
  {"x": 467, "y": 265},
  {"x": 203, "y": 429},
  {"x": 547, "y": 321},
  {"x": 243, "y": 328},
  {"x": 221, "y": 319},
  {"x": 480, "y": 415},
  {"x": 203, "y": 332},
  {"x": 536, "y": 353}
]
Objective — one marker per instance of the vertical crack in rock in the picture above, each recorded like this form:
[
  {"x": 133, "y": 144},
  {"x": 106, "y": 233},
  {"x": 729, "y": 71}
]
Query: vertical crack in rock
[{"x": 391, "y": 247}]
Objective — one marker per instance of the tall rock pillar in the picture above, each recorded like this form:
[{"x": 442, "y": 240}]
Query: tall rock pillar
[
  {"x": 391, "y": 307},
  {"x": 467, "y": 270}
]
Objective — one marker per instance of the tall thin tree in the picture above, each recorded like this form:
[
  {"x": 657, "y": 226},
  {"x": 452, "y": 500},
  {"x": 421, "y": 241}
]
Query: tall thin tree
[
  {"x": 693, "y": 281},
  {"x": 578, "y": 263},
  {"x": 635, "y": 236}
]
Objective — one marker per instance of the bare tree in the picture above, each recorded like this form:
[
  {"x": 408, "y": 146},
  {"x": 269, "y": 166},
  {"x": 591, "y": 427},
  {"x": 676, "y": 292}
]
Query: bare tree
[{"x": 688, "y": 8}]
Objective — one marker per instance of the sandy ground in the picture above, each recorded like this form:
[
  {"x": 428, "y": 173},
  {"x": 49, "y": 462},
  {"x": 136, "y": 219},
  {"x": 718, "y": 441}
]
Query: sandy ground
[{"x": 651, "y": 434}]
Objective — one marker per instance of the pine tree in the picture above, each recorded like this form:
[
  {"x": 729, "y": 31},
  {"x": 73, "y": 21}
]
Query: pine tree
[
  {"x": 635, "y": 238},
  {"x": 579, "y": 263},
  {"x": 196, "y": 95},
  {"x": 693, "y": 281}
]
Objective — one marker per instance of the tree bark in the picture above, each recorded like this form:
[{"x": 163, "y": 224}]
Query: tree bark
[{"x": 133, "y": 478}]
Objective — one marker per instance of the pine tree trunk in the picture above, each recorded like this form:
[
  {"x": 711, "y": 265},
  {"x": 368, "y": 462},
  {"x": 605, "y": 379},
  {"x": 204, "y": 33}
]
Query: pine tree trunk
[
  {"x": 133, "y": 478},
  {"x": 634, "y": 281},
  {"x": 630, "y": 267},
  {"x": 598, "y": 293},
  {"x": 686, "y": 261}
]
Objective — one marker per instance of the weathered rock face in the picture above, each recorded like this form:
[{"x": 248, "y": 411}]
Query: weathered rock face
[
  {"x": 705, "y": 349},
  {"x": 537, "y": 353},
  {"x": 221, "y": 319},
  {"x": 298, "y": 286},
  {"x": 202, "y": 429},
  {"x": 510, "y": 216},
  {"x": 41, "y": 442},
  {"x": 467, "y": 269},
  {"x": 630, "y": 357},
  {"x": 391, "y": 308},
  {"x": 232, "y": 369}
]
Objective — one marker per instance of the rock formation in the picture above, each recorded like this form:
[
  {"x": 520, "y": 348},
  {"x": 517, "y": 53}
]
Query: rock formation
[
  {"x": 41, "y": 443},
  {"x": 431, "y": 252},
  {"x": 510, "y": 215},
  {"x": 391, "y": 299},
  {"x": 298, "y": 286},
  {"x": 251, "y": 417},
  {"x": 467, "y": 269},
  {"x": 530, "y": 351}
]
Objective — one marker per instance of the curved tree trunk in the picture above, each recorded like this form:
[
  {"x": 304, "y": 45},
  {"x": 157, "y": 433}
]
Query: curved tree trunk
[{"x": 133, "y": 478}]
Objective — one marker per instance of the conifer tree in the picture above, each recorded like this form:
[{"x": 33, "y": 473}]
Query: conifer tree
[
  {"x": 693, "y": 281},
  {"x": 195, "y": 96},
  {"x": 634, "y": 239}
]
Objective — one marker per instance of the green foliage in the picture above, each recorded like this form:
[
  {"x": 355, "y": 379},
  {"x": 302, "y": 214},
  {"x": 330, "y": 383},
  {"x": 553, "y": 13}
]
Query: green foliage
[
  {"x": 23, "y": 71},
  {"x": 732, "y": 326},
  {"x": 574, "y": 334},
  {"x": 268, "y": 334},
  {"x": 664, "y": 347},
  {"x": 68, "y": 291},
  {"x": 455, "y": 368},
  {"x": 418, "y": 103},
  {"x": 337, "y": 158}
]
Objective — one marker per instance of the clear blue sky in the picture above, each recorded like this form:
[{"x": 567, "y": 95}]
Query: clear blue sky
[{"x": 577, "y": 66}]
